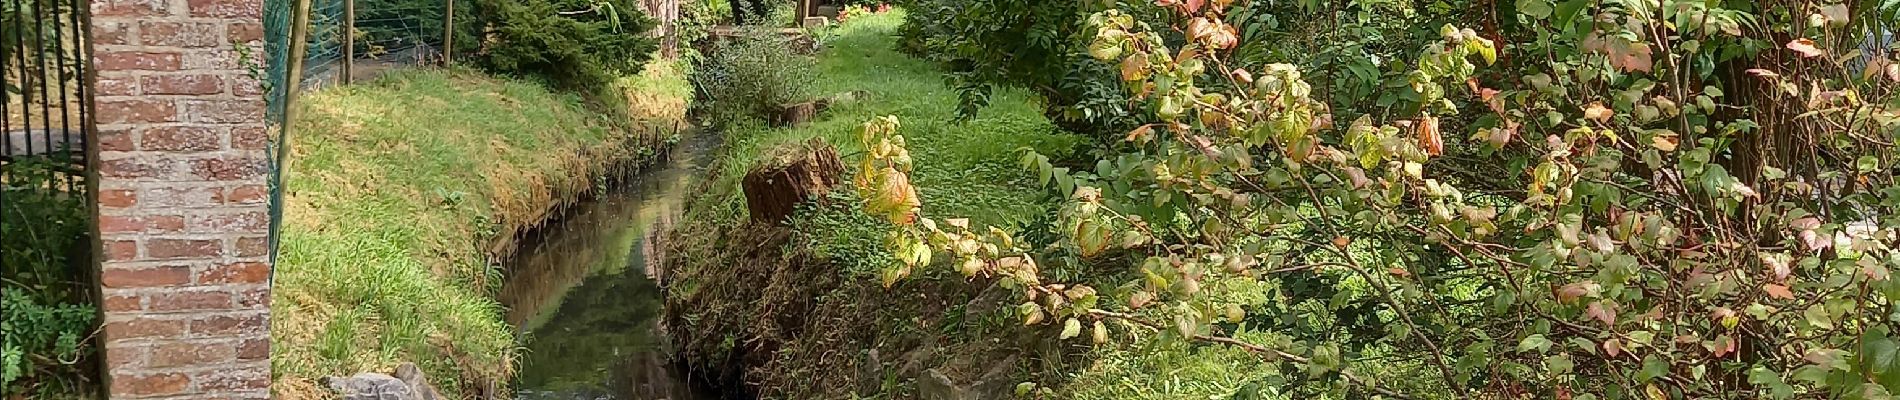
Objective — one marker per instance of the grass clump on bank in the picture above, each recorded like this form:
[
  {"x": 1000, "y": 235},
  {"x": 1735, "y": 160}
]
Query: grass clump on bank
[
  {"x": 403, "y": 190},
  {"x": 797, "y": 310}
]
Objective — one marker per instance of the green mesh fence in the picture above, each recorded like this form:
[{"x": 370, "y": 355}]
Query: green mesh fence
[{"x": 389, "y": 34}]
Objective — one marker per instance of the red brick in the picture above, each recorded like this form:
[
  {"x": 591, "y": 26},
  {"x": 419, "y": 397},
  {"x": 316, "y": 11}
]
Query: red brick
[
  {"x": 137, "y": 60},
  {"x": 145, "y": 277},
  {"x": 226, "y": 111},
  {"x": 256, "y": 298},
  {"x": 254, "y": 349},
  {"x": 228, "y": 169},
  {"x": 250, "y": 138},
  {"x": 135, "y": 168},
  {"x": 162, "y": 249},
  {"x": 243, "y": 32},
  {"x": 136, "y": 111},
  {"x": 236, "y": 9},
  {"x": 182, "y": 197},
  {"x": 118, "y": 198},
  {"x": 180, "y": 138},
  {"x": 164, "y": 223},
  {"x": 181, "y": 34},
  {"x": 129, "y": 8},
  {"x": 247, "y": 194},
  {"x": 251, "y": 222},
  {"x": 182, "y": 84},
  {"x": 245, "y": 86},
  {"x": 154, "y": 223},
  {"x": 247, "y": 272},
  {"x": 122, "y": 250},
  {"x": 110, "y": 33},
  {"x": 120, "y": 224},
  {"x": 123, "y": 303},
  {"x": 125, "y": 356},
  {"x": 223, "y": 58},
  {"x": 226, "y": 325},
  {"x": 191, "y": 355},
  {"x": 144, "y": 328},
  {"x": 253, "y": 247},
  {"x": 233, "y": 379},
  {"x": 185, "y": 301},
  {"x": 117, "y": 86},
  {"x": 149, "y": 385},
  {"x": 116, "y": 140}
]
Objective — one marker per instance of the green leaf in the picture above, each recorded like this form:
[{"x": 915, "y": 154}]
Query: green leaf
[
  {"x": 1819, "y": 317},
  {"x": 1539, "y": 9},
  {"x": 1533, "y": 342},
  {"x": 1653, "y": 367},
  {"x": 1071, "y": 328},
  {"x": 1768, "y": 379},
  {"x": 1867, "y": 164}
]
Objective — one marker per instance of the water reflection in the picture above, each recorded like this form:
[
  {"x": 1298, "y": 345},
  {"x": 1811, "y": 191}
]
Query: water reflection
[{"x": 583, "y": 299}]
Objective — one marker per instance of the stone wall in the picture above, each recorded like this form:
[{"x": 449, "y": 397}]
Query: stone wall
[{"x": 182, "y": 214}]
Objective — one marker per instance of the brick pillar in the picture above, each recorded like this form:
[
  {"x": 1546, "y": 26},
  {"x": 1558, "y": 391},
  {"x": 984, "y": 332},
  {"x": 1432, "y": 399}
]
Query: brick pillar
[{"x": 182, "y": 214}]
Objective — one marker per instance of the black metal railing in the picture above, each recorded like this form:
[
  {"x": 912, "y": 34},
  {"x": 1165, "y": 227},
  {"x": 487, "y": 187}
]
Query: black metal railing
[{"x": 46, "y": 96}]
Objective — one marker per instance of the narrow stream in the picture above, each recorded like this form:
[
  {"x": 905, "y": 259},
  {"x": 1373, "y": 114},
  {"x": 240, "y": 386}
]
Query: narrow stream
[{"x": 584, "y": 300}]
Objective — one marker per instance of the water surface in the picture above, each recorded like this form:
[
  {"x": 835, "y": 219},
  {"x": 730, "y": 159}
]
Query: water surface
[{"x": 582, "y": 294}]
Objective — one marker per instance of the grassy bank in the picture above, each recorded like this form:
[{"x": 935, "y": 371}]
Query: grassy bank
[
  {"x": 402, "y": 190},
  {"x": 798, "y": 310}
]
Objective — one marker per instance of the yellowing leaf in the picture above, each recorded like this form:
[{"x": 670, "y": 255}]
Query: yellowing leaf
[
  {"x": 1597, "y": 112},
  {"x": 1805, "y": 47},
  {"x": 1101, "y": 333},
  {"x": 1664, "y": 143},
  {"x": 1071, "y": 328}
]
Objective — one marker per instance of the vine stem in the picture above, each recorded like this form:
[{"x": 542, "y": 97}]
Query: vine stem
[{"x": 1253, "y": 348}]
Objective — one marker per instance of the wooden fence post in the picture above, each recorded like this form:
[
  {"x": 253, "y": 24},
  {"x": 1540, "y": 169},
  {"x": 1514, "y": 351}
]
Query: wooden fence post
[
  {"x": 448, "y": 32},
  {"x": 349, "y": 41}
]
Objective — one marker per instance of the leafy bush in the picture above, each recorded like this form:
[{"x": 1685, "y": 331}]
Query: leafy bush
[
  {"x": 750, "y": 77},
  {"x": 45, "y": 316},
  {"x": 1589, "y": 199},
  {"x": 581, "y": 45}
]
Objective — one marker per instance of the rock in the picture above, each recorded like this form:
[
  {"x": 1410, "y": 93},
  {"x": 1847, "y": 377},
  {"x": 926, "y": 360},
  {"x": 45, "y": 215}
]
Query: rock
[
  {"x": 418, "y": 383},
  {"x": 936, "y": 386},
  {"x": 816, "y": 22},
  {"x": 370, "y": 386},
  {"x": 788, "y": 176},
  {"x": 408, "y": 384}
]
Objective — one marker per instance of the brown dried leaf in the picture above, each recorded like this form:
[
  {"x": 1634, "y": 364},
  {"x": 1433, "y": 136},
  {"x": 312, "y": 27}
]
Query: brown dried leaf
[{"x": 1778, "y": 291}]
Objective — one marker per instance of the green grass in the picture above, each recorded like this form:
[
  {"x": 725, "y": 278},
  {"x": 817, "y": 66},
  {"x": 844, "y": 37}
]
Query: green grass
[
  {"x": 401, "y": 190},
  {"x": 965, "y": 168}
]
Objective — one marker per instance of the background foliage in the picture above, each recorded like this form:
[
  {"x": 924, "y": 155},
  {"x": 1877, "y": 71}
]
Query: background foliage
[
  {"x": 581, "y": 45},
  {"x": 47, "y": 316}
]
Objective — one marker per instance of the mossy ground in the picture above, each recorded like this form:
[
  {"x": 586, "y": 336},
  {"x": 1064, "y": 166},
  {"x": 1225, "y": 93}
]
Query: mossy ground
[{"x": 402, "y": 191}]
